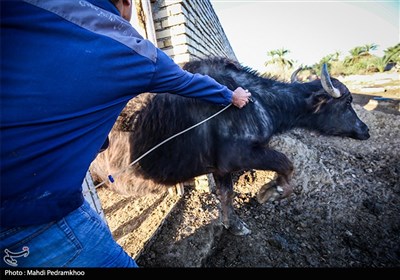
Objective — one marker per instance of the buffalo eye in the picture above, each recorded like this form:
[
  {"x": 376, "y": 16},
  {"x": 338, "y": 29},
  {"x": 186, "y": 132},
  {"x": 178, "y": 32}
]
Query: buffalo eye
[{"x": 349, "y": 100}]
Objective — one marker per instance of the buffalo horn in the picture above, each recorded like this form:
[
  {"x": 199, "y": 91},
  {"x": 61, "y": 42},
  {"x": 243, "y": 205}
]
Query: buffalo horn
[
  {"x": 293, "y": 77},
  {"x": 327, "y": 83}
]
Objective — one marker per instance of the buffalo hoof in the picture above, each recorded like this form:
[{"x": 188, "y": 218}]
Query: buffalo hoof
[
  {"x": 238, "y": 227},
  {"x": 272, "y": 192}
]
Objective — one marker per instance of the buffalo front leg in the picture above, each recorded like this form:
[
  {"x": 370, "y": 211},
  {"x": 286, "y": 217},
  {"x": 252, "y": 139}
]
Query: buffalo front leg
[
  {"x": 275, "y": 190},
  {"x": 280, "y": 188},
  {"x": 225, "y": 194},
  {"x": 262, "y": 158}
]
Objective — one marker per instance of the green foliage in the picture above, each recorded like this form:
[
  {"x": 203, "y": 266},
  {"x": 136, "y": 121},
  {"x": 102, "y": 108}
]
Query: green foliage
[
  {"x": 392, "y": 54},
  {"x": 328, "y": 60},
  {"x": 278, "y": 57},
  {"x": 355, "y": 56},
  {"x": 376, "y": 64},
  {"x": 359, "y": 61}
]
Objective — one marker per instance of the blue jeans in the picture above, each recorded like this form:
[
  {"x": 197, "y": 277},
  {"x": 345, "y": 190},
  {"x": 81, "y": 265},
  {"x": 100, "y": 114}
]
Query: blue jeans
[{"x": 81, "y": 239}]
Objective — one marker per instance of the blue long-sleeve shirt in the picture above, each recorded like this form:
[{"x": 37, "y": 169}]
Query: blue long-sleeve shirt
[{"x": 68, "y": 68}]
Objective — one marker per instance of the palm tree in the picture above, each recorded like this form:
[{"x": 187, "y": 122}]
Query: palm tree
[
  {"x": 335, "y": 55},
  {"x": 368, "y": 48},
  {"x": 278, "y": 57},
  {"x": 325, "y": 60},
  {"x": 355, "y": 55},
  {"x": 328, "y": 60},
  {"x": 392, "y": 54}
]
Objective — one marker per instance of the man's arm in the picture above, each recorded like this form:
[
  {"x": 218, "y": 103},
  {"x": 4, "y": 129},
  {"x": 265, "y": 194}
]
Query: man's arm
[{"x": 169, "y": 77}]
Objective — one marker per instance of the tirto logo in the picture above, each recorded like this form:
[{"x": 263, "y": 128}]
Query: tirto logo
[{"x": 10, "y": 257}]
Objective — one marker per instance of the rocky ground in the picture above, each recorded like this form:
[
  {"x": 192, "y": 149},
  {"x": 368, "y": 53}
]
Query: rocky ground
[{"x": 345, "y": 211}]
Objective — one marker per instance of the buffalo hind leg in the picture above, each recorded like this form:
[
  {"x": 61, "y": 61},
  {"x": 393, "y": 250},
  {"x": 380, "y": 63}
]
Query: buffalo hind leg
[{"x": 225, "y": 194}]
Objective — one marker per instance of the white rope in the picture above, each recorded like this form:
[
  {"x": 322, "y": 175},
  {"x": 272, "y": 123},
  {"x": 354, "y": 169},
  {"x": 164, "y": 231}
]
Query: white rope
[{"x": 111, "y": 177}]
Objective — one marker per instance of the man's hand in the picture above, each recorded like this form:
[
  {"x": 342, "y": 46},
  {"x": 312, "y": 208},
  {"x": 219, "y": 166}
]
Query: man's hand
[{"x": 240, "y": 97}]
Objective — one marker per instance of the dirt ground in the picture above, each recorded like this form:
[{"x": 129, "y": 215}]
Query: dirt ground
[{"x": 345, "y": 211}]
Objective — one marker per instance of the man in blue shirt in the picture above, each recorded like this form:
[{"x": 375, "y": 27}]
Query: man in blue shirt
[{"x": 68, "y": 68}]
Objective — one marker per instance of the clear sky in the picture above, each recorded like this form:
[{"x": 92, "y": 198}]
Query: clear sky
[{"x": 308, "y": 29}]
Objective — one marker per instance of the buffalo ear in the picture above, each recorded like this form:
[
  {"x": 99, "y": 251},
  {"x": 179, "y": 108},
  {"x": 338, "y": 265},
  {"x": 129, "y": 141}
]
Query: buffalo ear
[{"x": 317, "y": 101}]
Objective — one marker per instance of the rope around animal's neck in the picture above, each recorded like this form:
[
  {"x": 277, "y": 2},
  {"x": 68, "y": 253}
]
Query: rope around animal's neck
[{"x": 111, "y": 178}]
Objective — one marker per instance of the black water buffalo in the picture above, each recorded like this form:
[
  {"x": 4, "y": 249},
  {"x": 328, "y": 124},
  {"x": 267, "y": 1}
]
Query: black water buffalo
[{"x": 236, "y": 139}]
